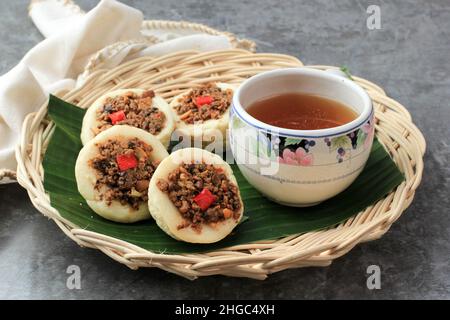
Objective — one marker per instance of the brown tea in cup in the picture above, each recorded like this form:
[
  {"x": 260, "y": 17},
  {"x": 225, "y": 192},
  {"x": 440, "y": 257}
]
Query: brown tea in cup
[{"x": 301, "y": 111}]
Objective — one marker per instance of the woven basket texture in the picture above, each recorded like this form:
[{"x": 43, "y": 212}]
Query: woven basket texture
[
  {"x": 148, "y": 27},
  {"x": 175, "y": 73}
]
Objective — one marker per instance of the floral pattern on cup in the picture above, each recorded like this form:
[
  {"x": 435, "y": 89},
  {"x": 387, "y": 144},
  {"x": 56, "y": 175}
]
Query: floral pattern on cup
[
  {"x": 296, "y": 151},
  {"x": 299, "y": 151},
  {"x": 299, "y": 158},
  {"x": 369, "y": 132},
  {"x": 343, "y": 145}
]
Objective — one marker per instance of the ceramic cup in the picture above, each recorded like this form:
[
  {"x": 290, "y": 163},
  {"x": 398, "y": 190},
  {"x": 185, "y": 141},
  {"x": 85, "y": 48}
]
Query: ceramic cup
[{"x": 301, "y": 167}]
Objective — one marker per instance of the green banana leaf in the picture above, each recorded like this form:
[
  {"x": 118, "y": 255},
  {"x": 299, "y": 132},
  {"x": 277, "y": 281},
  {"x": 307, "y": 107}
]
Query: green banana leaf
[{"x": 266, "y": 219}]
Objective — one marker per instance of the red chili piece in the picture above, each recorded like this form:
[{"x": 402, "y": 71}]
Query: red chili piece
[
  {"x": 205, "y": 199},
  {"x": 126, "y": 161},
  {"x": 117, "y": 116},
  {"x": 200, "y": 101}
]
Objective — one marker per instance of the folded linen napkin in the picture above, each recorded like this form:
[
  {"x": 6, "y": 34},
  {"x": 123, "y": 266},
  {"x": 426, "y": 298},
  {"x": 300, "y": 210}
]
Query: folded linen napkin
[{"x": 77, "y": 43}]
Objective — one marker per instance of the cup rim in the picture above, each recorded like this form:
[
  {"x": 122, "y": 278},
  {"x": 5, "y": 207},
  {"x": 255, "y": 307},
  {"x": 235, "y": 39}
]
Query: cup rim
[{"x": 362, "y": 118}]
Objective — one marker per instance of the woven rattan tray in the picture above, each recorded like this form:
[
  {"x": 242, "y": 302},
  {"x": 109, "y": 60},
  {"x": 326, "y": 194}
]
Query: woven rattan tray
[
  {"x": 174, "y": 73},
  {"x": 149, "y": 30}
]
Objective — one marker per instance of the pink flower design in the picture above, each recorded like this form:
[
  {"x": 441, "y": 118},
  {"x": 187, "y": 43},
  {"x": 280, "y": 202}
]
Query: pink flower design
[
  {"x": 368, "y": 130},
  {"x": 297, "y": 158}
]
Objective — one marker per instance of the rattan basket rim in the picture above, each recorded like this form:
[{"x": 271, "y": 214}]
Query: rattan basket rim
[
  {"x": 170, "y": 75},
  {"x": 149, "y": 25}
]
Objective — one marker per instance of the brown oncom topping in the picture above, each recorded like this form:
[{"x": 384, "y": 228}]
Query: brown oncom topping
[
  {"x": 204, "y": 103},
  {"x": 202, "y": 193},
  {"x": 124, "y": 170},
  {"x": 133, "y": 110}
]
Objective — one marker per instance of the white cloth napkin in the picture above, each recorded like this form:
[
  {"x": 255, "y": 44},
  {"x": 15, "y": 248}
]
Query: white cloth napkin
[{"x": 111, "y": 31}]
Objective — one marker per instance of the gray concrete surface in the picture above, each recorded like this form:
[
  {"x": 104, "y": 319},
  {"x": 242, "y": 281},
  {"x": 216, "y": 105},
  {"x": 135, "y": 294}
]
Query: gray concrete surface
[{"x": 409, "y": 56}]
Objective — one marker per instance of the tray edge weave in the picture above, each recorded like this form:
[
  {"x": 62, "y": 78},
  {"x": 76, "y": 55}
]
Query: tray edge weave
[{"x": 395, "y": 131}]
